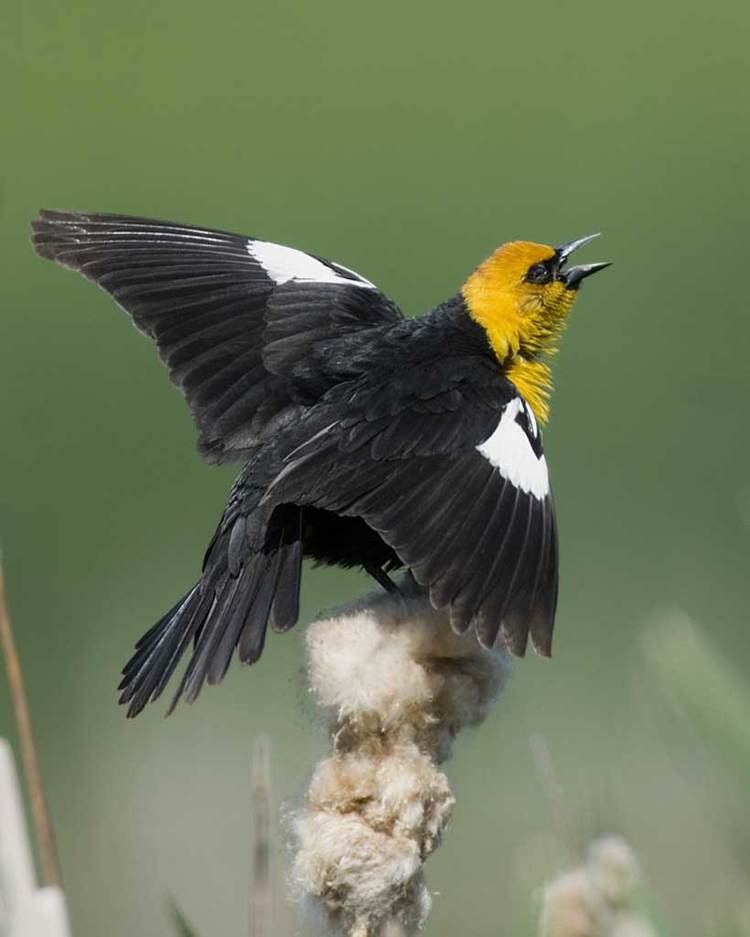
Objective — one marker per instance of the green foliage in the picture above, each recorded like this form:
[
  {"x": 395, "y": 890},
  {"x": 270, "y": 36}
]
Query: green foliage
[
  {"x": 713, "y": 696},
  {"x": 707, "y": 687}
]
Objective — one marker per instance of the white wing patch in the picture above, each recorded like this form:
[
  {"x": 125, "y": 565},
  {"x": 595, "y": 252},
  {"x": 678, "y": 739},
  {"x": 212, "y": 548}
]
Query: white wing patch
[
  {"x": 509, "y": 450},
  {"x": 283, "y": 264}
]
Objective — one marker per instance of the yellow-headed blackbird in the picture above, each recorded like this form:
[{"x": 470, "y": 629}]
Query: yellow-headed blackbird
[{"x": 368, "y": 439}]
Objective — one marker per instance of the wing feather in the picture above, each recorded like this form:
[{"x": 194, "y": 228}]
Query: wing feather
[
  {"x": 232, "y": 317},
  {"x": 468, "y": 520}
]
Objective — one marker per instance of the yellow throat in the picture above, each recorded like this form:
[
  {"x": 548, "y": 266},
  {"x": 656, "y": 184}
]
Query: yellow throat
[{"x": 523, "y": 320}]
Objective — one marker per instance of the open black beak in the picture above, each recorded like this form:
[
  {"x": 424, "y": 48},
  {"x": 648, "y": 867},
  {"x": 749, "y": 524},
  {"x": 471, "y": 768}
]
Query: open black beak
[{"x": 573, "y": 276}]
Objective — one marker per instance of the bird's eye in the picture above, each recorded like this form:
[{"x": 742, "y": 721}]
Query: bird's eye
[{"x": 539, "y": 273}]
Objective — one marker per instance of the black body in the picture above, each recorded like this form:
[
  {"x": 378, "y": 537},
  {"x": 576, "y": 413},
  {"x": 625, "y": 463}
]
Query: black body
[{"x": 358, "y": 429}]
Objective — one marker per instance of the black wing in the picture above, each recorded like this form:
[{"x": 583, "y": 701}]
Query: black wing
[
  {"x": 454, "y": 480},
  {"x": 231, "y": 315}
]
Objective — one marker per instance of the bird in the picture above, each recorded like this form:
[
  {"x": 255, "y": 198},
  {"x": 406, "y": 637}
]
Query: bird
[{"x": 366, "y": 438}]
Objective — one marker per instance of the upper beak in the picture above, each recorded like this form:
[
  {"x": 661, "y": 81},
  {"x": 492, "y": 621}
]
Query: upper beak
[{"x": 574, "y": 275}]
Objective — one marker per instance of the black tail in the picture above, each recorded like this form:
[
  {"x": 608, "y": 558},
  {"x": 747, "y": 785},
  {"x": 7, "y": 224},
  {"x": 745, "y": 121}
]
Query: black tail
[{"x": 229, "y": 607}]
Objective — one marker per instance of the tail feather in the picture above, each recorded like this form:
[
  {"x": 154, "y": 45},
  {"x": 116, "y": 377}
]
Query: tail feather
[
  {"x": 211, "y": 631},
  {"x": 253, "y": 636},
  {"x": 158, "y": 653},
  {"x": 285, "y": 608},
  {"x": 222, "y": 612},
  {"x": 235, "y": 616}
]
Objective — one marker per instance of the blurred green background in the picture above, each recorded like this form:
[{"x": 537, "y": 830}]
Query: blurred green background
[{"x": 405, "y": 141}]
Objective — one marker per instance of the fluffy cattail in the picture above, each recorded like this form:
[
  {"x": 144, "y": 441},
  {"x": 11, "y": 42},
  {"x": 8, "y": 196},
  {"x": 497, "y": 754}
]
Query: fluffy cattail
[
  {"x": 595, "y": 899},
  {"x": 395, "y": 685}
]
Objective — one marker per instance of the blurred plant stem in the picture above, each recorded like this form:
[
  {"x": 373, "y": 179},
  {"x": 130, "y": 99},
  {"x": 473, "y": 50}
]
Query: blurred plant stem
[
  {"x": 704, "y": 683},
  {"x": 182, "y": 926},
  {"x": 260, "y": 892},
  {"x": 50, "y": 868}
]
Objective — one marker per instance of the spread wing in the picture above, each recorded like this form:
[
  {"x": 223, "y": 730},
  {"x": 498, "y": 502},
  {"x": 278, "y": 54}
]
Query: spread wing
[
  {"x": 230, "y": 315},
  {"x": 454, "y": 480}
]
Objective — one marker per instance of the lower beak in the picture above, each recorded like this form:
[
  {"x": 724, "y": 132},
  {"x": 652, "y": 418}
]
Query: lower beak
[{"x": 572, "y": 278}]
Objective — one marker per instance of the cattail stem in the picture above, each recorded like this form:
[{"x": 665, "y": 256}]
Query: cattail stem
[{"x": 50, "y": 868}]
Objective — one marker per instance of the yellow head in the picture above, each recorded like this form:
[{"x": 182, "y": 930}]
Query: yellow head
[{"x": 521, "y": 295}]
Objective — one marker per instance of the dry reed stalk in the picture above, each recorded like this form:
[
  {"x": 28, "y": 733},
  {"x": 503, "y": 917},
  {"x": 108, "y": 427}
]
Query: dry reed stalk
[{"x": 50, "y": 866}]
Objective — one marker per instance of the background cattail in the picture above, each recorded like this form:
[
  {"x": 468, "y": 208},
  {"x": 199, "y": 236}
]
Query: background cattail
[
  {"x": 596, "y": 900},
  {"x": 395, "y": 685}
]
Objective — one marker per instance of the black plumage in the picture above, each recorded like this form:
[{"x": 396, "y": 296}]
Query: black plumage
[{"x": 360, "y": 432}]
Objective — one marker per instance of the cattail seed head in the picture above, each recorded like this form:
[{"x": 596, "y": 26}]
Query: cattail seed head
[
  {"x": 395, "y": 685},
  {"x": 595, "y": 900}
]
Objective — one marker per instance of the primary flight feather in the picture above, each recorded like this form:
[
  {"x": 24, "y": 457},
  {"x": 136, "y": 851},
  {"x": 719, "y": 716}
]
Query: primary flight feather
[{"x": 368, "y": 439}]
